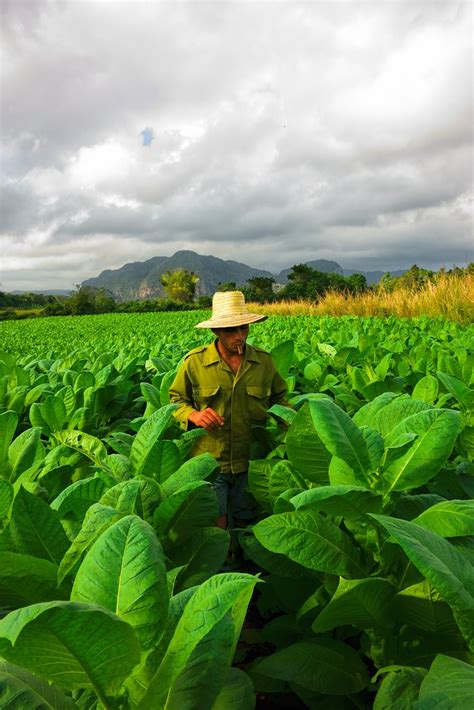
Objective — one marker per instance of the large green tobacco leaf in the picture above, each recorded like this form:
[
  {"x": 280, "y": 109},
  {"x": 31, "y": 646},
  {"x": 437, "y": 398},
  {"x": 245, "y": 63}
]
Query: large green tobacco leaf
[
  {"x": 282, "y": 477},
  {"x": 450, "y": 518},
  {"x": 187, "y": 441},
  {"x": 271, "y": 561},
  {"x": 310, "y": 539},
  {"x": 207, "y": 669},
  {"x": 397, "y": 448},
  {"x": 346, "y": 501},
  {"x": 168, "y": 508},
  {"x": 179, "y": 517},
  {"x": 426, "y": 389},
  {"x": 36, "y": 529},
  {"x": 207, "y": 606},
  {"x": 409, "y": 505},
  {"x": 413, "y": 647},
  {"x": 283, "y": 355},
  {"x": 199, "y": 683},
  {"x": 464, "y": 395},
  {"x": 422, "y": 607},
  {"x": 141, "y": 452},
  {"x": 448, "y": 685},
  {"x": 399, "y": 689},
  {"x": 341, "y": 474},
  {"x": 124, "y": 571},
  {"x": 259, "y": 478},
  {"x": 6, "y": 498},
  {"x": 123, "y": 497},
  {"x": 50, "y": 415},
  {"x": 375, "y": 446},
  {"x": 151, "y": 396},
  {"x": 368, "y": 414},
  {"x": 447, "y": 569},
  {"x": 21, "y": 689},
  {"x": 120, "y": 442},
  {"x": 164, "y": 460},
  {"x": 436, "y": 431},
  {"x": 237, "y": 693},
  {"x": 320, "y": 665},
  {"x": 25, "y": 453},
  {"x": 196, "y": 469},
  {"x": 26, "y": 580},
  {"x": 149, "y": 497},
  {"x": 306, "y": 452},
  {"x": 283, "y": 503},
  {"x": 89, "y": 446},
  {"x": 74, "y": 645},
  {"x": 202, "y": 556},
  {"x": 8, "y": 424},
  {"x": 281, "y": 631},
  {"x": 77, "y": 498},
  {"x": 341, "y": 437},
  {"x": 397, "y": 411},
  {"x": 97, "y": 519},
  {"x": 283, "y": 413},
  {"x": 138, "y": 682},
  {"x": 364, "y": 603}
]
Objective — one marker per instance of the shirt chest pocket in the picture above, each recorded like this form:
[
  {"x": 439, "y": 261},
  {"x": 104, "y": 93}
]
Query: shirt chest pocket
[
  {"x": 206, "y": 396},
  {"x": 258, "y": 400}
]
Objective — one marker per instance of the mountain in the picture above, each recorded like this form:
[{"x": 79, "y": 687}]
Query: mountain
[{"x": 141, "y": 280}]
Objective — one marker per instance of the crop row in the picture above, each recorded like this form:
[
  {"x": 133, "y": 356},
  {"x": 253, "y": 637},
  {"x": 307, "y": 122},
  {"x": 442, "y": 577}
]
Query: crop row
[{"x": 356, "y": 587}]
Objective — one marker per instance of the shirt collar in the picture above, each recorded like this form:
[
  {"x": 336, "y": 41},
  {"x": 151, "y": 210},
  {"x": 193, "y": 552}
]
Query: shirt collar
[{"x": 211, "y": 355}]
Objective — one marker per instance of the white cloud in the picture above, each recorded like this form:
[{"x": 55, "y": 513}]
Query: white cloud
[{"x": 321, "y": 130}]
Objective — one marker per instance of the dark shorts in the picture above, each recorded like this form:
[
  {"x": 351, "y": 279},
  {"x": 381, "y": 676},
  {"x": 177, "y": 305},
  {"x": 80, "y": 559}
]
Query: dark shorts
[{"x": 234, "y": 498}]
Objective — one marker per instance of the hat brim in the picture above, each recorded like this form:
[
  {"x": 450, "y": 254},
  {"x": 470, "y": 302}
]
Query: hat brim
[{"x": 231, "y": 321}]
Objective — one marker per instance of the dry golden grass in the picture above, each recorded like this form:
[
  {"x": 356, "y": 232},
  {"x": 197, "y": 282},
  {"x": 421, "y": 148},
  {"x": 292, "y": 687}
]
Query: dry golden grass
[{"x": 450, "y": 296}]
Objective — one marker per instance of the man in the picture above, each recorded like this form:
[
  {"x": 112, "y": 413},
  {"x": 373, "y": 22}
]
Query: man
[{"x": 224, "y": 388}]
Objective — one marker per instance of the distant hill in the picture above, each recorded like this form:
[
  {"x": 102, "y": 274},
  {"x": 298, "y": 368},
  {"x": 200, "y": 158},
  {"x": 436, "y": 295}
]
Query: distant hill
[{"x": 142, "y": 279}]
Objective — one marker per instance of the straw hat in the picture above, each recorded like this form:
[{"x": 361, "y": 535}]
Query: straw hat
[{"x": 229, "y": 310}]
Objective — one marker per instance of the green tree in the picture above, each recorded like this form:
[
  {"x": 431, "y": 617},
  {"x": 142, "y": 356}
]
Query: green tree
[
  {"x": 356, "y": 283},
  {"x": 180, "y": 285},
  {"x": 301, "y": 273},
  {"x": 88, "y": 299},
  {"x": 299, "y": 280},
  {"x": 227, "y": 286},
  {"x": 306, "y": 282},
  {"x": 260, "y": 289},
  {"x": 415, "y": 278}
]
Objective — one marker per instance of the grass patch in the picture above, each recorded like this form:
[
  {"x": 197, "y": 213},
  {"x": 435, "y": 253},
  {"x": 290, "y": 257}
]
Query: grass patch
[{"x": 449, "y": 296}]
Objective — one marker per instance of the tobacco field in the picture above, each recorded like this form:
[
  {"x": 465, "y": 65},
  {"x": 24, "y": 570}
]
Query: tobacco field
[{"x": 356, "y": 585}]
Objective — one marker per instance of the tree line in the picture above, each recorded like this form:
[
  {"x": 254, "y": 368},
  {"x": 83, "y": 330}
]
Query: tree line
[{"x": 304, "y": 283}]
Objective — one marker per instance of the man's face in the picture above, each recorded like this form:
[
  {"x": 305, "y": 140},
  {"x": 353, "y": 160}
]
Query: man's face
[{"x": 232, "y": 339}]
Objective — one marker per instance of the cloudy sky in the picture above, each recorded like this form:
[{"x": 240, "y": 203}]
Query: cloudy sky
[{"x": 271, "y": 133}]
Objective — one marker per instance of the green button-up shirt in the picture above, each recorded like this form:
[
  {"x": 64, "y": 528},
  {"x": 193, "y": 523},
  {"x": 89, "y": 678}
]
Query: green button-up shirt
[{"x": 205, "y": 380}]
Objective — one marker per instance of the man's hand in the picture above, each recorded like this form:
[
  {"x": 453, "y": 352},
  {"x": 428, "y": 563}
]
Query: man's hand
[{"x": 208, "y": 419}]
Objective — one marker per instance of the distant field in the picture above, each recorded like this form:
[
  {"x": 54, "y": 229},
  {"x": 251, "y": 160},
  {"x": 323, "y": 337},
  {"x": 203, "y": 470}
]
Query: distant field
[{"x": 449, "y": 297}]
